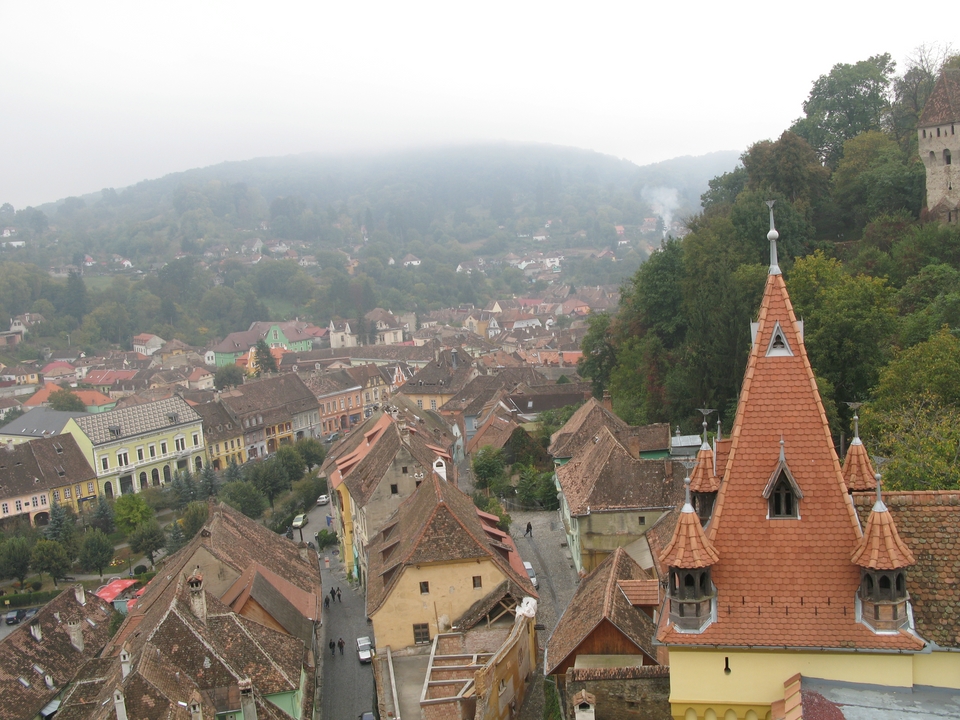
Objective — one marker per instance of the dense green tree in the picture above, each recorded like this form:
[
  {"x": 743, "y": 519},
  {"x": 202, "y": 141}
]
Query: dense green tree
[
  {"x": 194, "y": 518},
  {"x": 291, "y": 461},
  {"x": 233, "y": 473},
  {"x": 265, "y": 362},
  {"x": 103, "y": 516},
  {"x": 488, "y": 466},
  {"x": 724, "y": 189},
  {"x": 96, "y": 551},
  {"x": 66, "y": 401},
  {"x": 15, "y": 559},
  {"x": 184, "y": 488},
  {"x": 850, "y": 100},
  {"x": 148, "y": 538},
  {"x": 269, "y": 477},
  {"x": 228, "y": 376},
  {"x": 130, "y": 511},
  {"x": 176, "y": 538},
  {"x": 49, "y": 556},
  {"x": 599, "y": 353},
  {"x": 245, "y": 497},
  {"x": 789, "y": 167},
  {"x": 209, "y": 483},
  {"x": 312, "y": 452}
]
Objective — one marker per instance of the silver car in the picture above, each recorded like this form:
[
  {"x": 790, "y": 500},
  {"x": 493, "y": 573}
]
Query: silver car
[{"x": 364, "y": 649}]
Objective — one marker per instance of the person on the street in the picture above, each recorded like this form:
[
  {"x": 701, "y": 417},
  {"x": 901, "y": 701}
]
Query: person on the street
[
  {"x": 340, "y": 644},
  {"x": 326, "y": 603},
  {"x": 333, "y": 594},
  {"x": 529, "y": 530},
  {"x": 333, "y": 647},
  {"x": 339, "y": 599}
]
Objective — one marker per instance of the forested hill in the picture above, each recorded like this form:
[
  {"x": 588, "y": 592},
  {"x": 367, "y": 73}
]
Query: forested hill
[{"x": 874, "y": 278}]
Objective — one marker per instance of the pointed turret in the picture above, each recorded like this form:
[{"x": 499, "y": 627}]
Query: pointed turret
[
  {"x": 704, "y": 482},
  {"x": 783, "y": 526},
  {"x": 883, "y": 558},
  {"x": 857, "y": 469},
  {"x": 689, "y": 556}
]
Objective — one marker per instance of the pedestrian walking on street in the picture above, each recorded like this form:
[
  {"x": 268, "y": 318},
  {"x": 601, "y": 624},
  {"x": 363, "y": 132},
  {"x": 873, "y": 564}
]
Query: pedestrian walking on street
[
  {"x": 333, "y": 594},
  {"x": 340, "y": 644},
  {"x": 339, "y": 599},
  {"x": 529, "y": 530},
  {"x": 326, "y": 603},
  {"x": 333, "y": 647}
]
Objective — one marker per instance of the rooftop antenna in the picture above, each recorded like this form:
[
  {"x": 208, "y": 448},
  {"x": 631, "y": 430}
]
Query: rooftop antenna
[
  {"x": 772, "y": 237},
  {"x": 705, "y": 412}
]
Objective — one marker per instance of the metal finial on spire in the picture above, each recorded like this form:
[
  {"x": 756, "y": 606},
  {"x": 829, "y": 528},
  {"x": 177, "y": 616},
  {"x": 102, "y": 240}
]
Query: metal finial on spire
[
  {"x": 783, "y": 458},
  {"x": 688, "y": 464},
  {"x": 772, "y": 236},
  {"x": 686, "y": 492},
  {"x": 856, "y": 422},
  {"x": 879, "y": 506},
  {"x": 719, "y": 435},
  {"x": 705, "y": 412}
]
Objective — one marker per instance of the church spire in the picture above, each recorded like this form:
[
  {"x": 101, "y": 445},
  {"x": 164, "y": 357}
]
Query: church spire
[{"x": 858, "y": 473}]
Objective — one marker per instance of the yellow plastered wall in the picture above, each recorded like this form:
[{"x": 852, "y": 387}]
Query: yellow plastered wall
[
  {"x": 698, "y": 680},
  {"x": 937, "y": 669},
  {"x": 451, "y": 594}
]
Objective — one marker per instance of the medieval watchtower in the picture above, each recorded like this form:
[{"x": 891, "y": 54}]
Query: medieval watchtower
[{"x": 938, "y": 132}]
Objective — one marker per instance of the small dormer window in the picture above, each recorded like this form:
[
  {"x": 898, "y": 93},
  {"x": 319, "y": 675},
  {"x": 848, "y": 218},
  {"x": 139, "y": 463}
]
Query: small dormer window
[
  {"x": 779, "y": 347},
  {"x": 783, "y": 501}
]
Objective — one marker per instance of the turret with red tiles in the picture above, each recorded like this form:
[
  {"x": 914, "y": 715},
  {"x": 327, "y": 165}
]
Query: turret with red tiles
[{"x": 783, "y": 531}]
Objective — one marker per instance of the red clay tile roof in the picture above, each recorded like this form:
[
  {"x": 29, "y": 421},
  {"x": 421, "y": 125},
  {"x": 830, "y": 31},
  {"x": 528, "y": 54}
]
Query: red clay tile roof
[
  {"x": 927, "y": 522},
  {"x": 599, "y": 599},
  {"x": 645, "y": 593},
  {"x": 880, "y": 547},
  {"x": 858, "y": 471},
  {"x": 784, "y": 582},
  {"x": 703, "y": 479},
  {"x": 689, "y": 547},
  {"x": 943, "y": 105}
]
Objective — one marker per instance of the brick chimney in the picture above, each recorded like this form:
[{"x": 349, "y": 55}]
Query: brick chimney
[
  {"x": 607, "y": 401},
  {"x": 79, "y": 594}
]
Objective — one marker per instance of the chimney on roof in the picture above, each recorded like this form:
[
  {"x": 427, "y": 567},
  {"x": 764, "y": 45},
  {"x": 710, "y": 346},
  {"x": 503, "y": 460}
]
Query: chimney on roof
[
  {"x": 304, "y": 551},
  {"x": 607, "y": 401},
  {"x": 119, "y": 704},
  {"x": 35, "y": 630},
  {"x": 76, "y": 635},
  {"x": 79, "y": 594},
  {"x": 198, "y": 599},
  {"x": 124, "y": 661},
  {"x": 196, "y": 707},
  {"x": 248, "y": 705},
  {"x": 404, "y": 429}
]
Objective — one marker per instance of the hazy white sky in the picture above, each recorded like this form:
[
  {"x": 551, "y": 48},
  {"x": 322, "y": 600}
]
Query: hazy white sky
[{"x": 106, "y": 94}]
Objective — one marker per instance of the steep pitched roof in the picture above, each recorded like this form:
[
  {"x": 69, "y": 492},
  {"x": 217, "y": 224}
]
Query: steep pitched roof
[
  {"x": 438, "y": 523},
  {"x": 689, "y": 548},
  {"x": 47, "y": 665},
  {"x": 285, "y": 395},
  {"x": 783, "y": 582},
  {"x": 943, "y": 105},
  {"x": 42, "y": 464},
  {"x": 703, "y": 479},
  {"x": 583, "y": 424},
  {"x": 495, "y": 430},
  {"x": 881, "y": 548},
  {"x": 605, "y": 476},
  {"x": 926, "y": 522},
  {"x": 858, "y": 471},
  {"x": 601, "y": 597}
]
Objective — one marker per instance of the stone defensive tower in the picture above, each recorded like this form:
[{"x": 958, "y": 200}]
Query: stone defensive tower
[{"x": 938, "y": 132}]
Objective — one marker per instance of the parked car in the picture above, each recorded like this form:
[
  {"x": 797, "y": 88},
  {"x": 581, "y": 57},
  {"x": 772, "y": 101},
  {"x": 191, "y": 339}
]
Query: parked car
[
  {"x": 368, "y": 715},
  {"x": 331, "y": 437},
  {"x": 323, "y": 500},
  {"x": 299, "y": 521},
  {"x": 30, "y": 613},
  {"x": 364, "y": 651},
  {"x": 16, "y": 616},
  {"x": 531, "y": 574}
]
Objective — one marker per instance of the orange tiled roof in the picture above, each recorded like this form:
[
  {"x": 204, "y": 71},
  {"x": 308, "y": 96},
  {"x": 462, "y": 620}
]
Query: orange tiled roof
[
  {"x": 784, "y": 582},
  {"x": 703, "y": 479},
  {"x": 689, "y": 547},
  {"x": 641, "y": 592},
  {"x": 880, "y": 547},
  {"x": 857, "y": 470}
]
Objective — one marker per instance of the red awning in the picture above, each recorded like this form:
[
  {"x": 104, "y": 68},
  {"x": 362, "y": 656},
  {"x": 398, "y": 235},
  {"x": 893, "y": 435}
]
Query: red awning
[{"x": 112, "y": 590}]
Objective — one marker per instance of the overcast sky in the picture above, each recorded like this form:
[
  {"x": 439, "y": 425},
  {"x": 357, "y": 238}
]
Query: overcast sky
[{"x": 107, "y": 94}]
